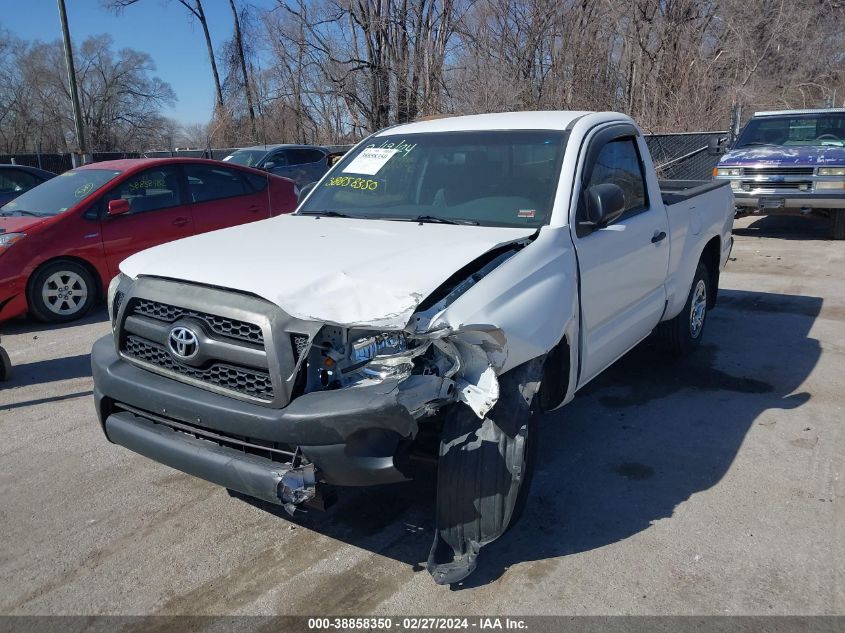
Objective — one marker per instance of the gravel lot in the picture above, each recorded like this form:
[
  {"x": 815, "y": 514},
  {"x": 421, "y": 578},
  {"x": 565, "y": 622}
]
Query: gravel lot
[{"x": 708, "y": 486}]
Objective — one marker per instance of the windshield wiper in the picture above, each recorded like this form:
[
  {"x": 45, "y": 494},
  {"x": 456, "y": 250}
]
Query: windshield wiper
[
  {"x": 757, "y": 143},
  {"x": 436, "y": 219},
  {"x": 325, "y": 214}
]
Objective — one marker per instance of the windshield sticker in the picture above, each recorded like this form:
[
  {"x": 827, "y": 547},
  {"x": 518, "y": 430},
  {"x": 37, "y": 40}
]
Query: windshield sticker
[
  {"x": 370, "y": 161},
  {"x": 364, "y": 184},
  {"x": 147, "y": 183},
  {"x": 525, "y": 213},
  {"x": 84, "y": 190},
  {"x": 401, "y": 146}
]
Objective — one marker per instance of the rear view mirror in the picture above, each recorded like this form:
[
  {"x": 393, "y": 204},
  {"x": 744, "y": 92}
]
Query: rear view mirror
[
  {"x": 716, "y": 145},
  {"x": 604, "y": 204},
  {"x": 119, "y": 207}
]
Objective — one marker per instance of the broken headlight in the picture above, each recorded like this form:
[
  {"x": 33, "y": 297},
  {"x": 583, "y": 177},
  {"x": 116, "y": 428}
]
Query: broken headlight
[{"x": 379, "y": 356}]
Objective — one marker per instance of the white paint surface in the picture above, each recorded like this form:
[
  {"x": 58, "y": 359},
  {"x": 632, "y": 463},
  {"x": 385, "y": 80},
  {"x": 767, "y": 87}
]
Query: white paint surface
[{"x": 370, "y": 273}]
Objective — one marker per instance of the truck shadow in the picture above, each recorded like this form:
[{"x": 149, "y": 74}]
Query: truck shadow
[
  {"x": 633, "y": 445},
  {"x": 789, "y": 227}
]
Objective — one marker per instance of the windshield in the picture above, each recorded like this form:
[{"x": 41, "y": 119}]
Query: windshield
[
  {"x": 246, "y": 157},
  {"x": 60, "y": 193},
  {"x": 795, "y": 130},
  {"x": 491, "y": 178}
]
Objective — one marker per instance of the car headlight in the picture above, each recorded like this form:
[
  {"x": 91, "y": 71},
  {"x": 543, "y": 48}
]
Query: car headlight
[
  {"x": 7, "y": 239},
  {"x": 832, "y": 171},
  {"x": 830, "y": 184},
  {"x": 728, "y": 171},
  {"x": 381, "y": 355}
]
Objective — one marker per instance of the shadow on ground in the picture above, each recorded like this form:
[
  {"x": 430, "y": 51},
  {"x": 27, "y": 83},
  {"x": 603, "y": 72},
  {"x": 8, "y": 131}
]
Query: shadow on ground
[
  {"x": 790, "y": 227},
  {"x": 28, "y": 325},
  {"x": 641, "y": 439}
]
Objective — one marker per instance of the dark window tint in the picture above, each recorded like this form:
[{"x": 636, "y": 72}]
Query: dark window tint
[
  {"x": 257, "y": 182},
  {"x": 821, "y": 129},
  {"x": 207, "y": 182},
  {"x": 149, "y": 190},
  {"x": 619, "y": 163},
  {"x": 14, "y": 180},
  {"x": 279, "y": 159},
  {"x": 303, "y": 156}
]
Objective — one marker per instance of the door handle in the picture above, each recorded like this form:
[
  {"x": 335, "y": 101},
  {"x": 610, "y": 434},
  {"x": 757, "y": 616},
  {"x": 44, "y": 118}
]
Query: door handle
[
  {"x": 254, "y": 209},
  {"x": 658, "y": 237},
  {"x": 181, "y": 221}
]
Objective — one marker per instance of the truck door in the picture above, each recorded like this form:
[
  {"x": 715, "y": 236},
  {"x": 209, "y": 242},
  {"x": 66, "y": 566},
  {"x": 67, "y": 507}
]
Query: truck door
[{"x": 622, "y": 266}]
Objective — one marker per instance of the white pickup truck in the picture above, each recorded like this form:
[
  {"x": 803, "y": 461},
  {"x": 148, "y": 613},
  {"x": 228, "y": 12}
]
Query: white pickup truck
[{"x": 448, "y": 279}]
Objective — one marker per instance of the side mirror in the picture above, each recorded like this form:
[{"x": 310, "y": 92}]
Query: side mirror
[
  {"x": 305, "y": 191},
  {"x": 268, "y": 166},
  {"x": 715, "y": 146},
  {"x": 604, "y": 204},
  {"x": 119, "y": 207}
]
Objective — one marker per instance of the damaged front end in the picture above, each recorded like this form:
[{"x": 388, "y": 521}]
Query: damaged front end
[{"x": 484, "y": 443}]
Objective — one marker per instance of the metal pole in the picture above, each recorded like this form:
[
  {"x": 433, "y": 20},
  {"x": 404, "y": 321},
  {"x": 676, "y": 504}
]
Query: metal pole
[{"x": 71, "y": 75}]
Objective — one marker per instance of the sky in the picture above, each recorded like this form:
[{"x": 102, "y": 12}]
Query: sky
[{"x": 161, "y": 28}]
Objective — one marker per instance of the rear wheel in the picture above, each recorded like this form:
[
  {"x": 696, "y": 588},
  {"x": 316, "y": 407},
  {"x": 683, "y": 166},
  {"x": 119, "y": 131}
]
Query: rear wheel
[
  {"x": 837, "y": 223},
  {"x": 61, "y": 291},
  {"x": 682, "y": 335}
]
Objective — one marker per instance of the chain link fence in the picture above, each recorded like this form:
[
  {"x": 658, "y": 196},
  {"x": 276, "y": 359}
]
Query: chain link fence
[{"x": 684, "y": 156}]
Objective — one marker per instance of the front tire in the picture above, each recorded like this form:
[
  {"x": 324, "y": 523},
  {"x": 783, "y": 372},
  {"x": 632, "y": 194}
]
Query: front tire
[
  {"x": 61, "y": 291},
  {"x": 682, "y": 335}
]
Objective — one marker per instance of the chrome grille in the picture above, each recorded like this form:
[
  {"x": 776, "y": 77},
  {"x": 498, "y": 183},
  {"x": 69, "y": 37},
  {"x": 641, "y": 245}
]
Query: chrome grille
[
  {"x": 246, "y": 381},
  {"x": 759, "y": 185},
  {"x": 223, "y": 326},
  {"x": 777, "y": 171}
]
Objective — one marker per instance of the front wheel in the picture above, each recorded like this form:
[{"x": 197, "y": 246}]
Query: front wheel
[
  {"x": 682, "y": 335},
  {"x": 62, "y": 291}
]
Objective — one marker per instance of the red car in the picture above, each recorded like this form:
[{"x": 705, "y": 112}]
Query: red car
[{"x": 61, "y": 242}]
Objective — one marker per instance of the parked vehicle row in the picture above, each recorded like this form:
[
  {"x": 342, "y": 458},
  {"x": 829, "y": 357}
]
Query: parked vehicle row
[
  {"x": 443, "y": 284},
  {"x": 303, "y": 164},
  {"x": 61, "y": 243}
]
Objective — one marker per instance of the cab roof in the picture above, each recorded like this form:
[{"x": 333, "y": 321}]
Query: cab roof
[{"x": 536, "y": 120}]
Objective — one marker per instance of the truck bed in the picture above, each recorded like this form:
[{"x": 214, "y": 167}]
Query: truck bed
[{"x": 675, "y": 191}]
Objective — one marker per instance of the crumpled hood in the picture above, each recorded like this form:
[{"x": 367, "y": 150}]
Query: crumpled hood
[
  {"x": 349, "y": 272},
  {"x": 810, "y": 156}
]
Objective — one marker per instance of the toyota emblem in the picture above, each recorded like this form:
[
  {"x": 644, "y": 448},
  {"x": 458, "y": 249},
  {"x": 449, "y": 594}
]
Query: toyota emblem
[{"x": 183, "y": 343}]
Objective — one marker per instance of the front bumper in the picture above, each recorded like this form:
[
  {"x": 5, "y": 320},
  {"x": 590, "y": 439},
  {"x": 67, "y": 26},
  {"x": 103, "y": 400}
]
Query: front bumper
[
  {"x": 12, "y": 299},
  {"x": 352, "y": 436},
  {"x": 791, "y": 200}
]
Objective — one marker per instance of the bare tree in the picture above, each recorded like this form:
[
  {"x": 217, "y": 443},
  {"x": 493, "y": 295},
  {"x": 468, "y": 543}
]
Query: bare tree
[{"x": 196, "y": 10}]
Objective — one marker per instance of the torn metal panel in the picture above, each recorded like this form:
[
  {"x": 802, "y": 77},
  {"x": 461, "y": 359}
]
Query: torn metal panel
[{"x": 483, "y": 474}]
